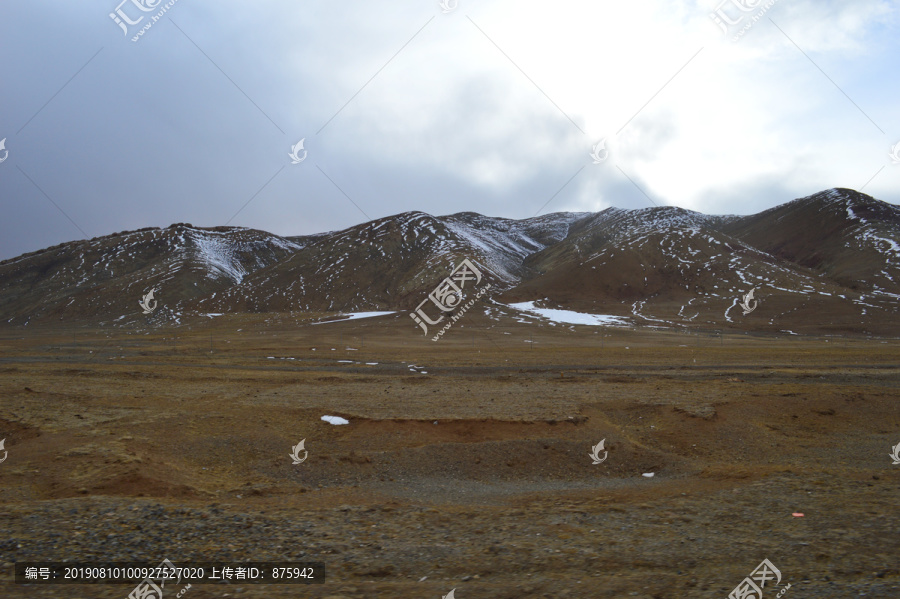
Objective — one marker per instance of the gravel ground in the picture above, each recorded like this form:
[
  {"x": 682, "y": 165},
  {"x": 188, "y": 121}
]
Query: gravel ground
[{"x": 150, "y": 458}]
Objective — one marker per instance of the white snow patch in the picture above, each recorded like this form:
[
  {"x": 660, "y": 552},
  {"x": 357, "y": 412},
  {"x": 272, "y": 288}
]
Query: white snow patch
[
  {"x": 570, "y": 316},
  {"x": 354, "y": 316},
  {"x": 218, "y": 255},
  {"x": 335, "y": 420}
]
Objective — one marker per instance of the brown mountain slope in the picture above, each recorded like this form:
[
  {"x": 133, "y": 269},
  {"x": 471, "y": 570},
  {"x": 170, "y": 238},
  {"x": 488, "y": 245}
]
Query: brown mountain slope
[
  {"x": 103, "y": 279},
  {"x": 845, "y": 235},
  {"x": 826, "y": 263},
  {"x": 671, "y": 266}
]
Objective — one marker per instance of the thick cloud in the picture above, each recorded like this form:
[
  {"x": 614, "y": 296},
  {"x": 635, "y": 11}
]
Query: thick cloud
[{"x": 492, "y": 107}]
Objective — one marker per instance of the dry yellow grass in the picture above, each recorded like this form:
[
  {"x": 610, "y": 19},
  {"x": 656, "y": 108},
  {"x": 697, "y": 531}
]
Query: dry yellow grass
[{"x": 180, "y": 451}]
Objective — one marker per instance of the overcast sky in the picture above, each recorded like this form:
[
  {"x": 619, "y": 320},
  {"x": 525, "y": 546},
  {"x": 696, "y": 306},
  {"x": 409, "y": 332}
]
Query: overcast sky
[{"x": 491, "y": 106}]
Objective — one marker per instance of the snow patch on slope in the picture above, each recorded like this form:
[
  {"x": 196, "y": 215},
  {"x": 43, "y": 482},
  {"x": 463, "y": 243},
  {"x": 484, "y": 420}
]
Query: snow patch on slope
[
  {"x": 570, "y": 316},
  {"x": 354, "y": 316},
  {"x": 218, "y": 257}
]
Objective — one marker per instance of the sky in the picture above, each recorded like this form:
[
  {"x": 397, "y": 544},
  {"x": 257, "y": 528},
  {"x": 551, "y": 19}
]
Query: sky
[{"x": 509, "y": 109}]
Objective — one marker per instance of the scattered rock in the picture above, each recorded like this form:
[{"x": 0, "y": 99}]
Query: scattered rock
[{"x": 704, "y": 411}]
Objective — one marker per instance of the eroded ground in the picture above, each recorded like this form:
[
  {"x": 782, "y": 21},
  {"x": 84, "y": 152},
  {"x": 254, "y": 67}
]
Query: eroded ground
[{"x": 465, "y": 464}]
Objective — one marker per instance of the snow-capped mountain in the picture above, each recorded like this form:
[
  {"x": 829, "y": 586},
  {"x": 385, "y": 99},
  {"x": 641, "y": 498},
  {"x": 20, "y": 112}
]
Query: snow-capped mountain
[
  {"x": 103, "y": 279},
  {"x": 391, "y": 262},
  {"x": 827, "y": 262},
  {"x": 841, "y": 233}
]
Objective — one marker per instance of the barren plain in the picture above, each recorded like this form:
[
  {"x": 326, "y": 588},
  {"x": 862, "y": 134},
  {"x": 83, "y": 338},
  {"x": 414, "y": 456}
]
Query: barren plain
[{"x": 465, "y": 464}]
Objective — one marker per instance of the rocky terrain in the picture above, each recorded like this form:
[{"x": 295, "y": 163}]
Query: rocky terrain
[{"x": 465, "y": 464}]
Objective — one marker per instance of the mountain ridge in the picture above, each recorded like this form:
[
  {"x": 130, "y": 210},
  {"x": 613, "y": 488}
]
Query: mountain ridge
[{"x": 832, "y": 256}]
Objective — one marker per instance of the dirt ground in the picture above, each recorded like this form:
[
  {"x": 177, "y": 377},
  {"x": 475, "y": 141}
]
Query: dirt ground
[{"x": 465, "y": 464}]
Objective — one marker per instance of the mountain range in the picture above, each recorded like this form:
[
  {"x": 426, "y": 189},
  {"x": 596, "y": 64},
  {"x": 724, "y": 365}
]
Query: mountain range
[{"x": 826, "y": 263}]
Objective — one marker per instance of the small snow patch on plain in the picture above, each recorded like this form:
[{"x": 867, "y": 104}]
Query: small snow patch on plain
[{"x": 335, "y": 420}]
